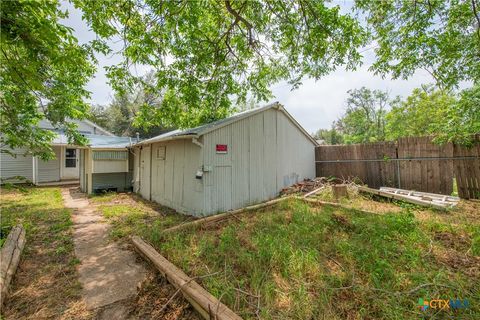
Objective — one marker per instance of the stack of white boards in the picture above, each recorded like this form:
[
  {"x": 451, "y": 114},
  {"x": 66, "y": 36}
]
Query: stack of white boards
[{"x": 437, "y": 201}]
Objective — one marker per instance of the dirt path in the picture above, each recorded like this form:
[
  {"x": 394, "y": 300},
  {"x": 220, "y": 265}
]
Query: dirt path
[{"x": 108, "y": 274}]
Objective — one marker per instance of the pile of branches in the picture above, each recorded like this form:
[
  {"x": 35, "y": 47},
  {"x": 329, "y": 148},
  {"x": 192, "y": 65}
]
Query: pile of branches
[{"x": 310, "y": 185}]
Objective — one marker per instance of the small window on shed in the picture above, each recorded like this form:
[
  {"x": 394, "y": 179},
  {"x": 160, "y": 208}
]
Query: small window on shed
[
  {"x": 161, "y": 152},
  {"x": 110, "y": 155}
]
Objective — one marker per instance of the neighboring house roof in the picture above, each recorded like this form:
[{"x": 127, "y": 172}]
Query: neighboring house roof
[
  {"x": 106, "y": 132},
  {"x": 98, "y": 141},
  {"x": 84, "y": 126},
  {"x": 201, "y": 130},
  {"x": 108, "y": 142}
]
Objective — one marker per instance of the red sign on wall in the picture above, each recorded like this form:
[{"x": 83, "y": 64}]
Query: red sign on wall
[{"x": 222, "y": 148}]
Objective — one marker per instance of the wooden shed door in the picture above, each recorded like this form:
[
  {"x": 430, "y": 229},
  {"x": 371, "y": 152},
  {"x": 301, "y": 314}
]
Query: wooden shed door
[
  {"x": 145, "y": 176},
  {"x": 223, "y": 188}
]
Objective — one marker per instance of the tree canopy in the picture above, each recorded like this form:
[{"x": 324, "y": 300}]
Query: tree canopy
[
  {"x": 371, "y": 116},
  {"x": 208, "y": 56},
  {"x": 43, "y": 72},
  {"x": 206, "y": 52},
  {"x": 441, "y": 37},
  {"x": 419, "y": 114},
  {"x": 121, "y": 116},
  {"x": 364, "y": 118},
  {"x": 329, "y": 136}
]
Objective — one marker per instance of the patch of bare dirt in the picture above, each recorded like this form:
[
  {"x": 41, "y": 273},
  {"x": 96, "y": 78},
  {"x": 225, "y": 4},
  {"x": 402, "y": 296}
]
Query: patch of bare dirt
[
  {"x": 45, "y": 285},
  {"x": 459, "y": 242},
  {"x": 154, "y": 293},
  {"x": 467, "y": 264},
  {"x": 342, "y": 221}
]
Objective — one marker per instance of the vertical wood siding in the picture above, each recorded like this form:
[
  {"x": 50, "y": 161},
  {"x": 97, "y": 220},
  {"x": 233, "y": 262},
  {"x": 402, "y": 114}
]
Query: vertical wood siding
[
  {"x": 266, "y": 152},
  {"x": 173, "y": 178},
  {"x": 145, "y": 173},
  {"x": 136, "y": 169}
]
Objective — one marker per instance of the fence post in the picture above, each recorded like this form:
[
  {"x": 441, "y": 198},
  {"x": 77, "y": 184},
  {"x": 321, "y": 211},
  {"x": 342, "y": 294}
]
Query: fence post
[{"x": 398, "y": 173}]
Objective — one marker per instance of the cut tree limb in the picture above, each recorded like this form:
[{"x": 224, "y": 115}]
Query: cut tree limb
[
  {"x": 311, "y": 193},
  {"x": 206, "y": 304},
  {"x": 10, "y": 257}
]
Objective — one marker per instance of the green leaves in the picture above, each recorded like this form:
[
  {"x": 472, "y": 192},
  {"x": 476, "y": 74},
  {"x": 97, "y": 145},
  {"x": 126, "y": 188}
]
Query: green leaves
[
  {"x": 206, "y": 54},
  {"x": 364, "y": 119},
  {"x": 43, "y": 73},
  {"x": 440, "y": 36},
  {"x": 428, "y": 111}
]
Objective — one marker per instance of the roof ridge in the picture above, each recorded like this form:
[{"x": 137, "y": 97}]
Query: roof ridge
[{"x": 205, "y": 128}]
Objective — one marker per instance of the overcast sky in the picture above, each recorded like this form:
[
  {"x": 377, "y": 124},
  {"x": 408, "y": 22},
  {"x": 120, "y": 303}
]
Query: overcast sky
[{"x": 316, "y": 104}]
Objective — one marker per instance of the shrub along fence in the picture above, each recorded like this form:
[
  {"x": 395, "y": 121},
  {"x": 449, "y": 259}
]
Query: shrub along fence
[{"x": 414, "y": 163}]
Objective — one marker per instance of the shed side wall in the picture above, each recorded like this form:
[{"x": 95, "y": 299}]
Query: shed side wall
[
  {"x": 266, "y": 152},
  {"x": 136, "y": 169},
  {"x": 295, "y": 154},
  {"x": 173, "y": 176}
]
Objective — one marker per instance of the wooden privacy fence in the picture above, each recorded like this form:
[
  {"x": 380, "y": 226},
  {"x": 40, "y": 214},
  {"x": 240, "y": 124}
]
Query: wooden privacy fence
[{"x": 410, "y": 163}]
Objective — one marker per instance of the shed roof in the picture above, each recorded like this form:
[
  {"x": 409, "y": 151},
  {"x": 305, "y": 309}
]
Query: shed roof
[
  {"x": 97, "y": 141},
  {"x": 201, "y": 130}
]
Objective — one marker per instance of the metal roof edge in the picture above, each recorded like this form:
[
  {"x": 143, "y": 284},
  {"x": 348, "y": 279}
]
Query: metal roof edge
[
  {"x": 295, "y": 122},
  {"x": 169, "y": 138}
]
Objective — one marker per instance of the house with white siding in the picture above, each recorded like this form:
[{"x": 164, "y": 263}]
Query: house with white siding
[
  {"x": 228, "y": 164},
  {"x": 63, "y": 168},
  {"x": 106, "y": 164}
]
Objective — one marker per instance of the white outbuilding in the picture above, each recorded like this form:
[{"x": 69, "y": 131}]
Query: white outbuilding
[{"x": 228, "y": 164}]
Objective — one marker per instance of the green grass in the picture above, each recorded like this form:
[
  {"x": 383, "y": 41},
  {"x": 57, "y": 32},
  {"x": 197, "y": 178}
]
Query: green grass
[
  {"x": 130, "y": 215},
  {"x": 309, "y": 263},
  {"x": 294, "y": 261},
  {"x": 46, "y": 284}
]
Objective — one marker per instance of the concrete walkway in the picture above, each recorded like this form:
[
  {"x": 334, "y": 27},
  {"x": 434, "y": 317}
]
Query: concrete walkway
[{"x": 108, "y": 274}]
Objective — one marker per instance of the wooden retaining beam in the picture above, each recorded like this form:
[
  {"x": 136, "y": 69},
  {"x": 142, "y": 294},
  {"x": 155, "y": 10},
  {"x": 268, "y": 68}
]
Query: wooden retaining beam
[
  {"x": 206, "y": 304},
  {"x": 10, "y": 257}
]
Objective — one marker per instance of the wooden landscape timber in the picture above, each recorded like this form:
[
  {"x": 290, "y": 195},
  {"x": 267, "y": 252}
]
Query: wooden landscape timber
[
  {"x": 407, "y": 198},
  {"x": 223, "y": 216},
  {"x": 206, "y": 304},
  {"x": 10, "y": 257}
]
